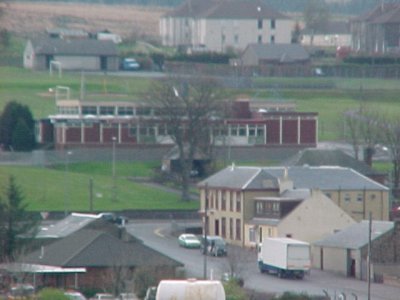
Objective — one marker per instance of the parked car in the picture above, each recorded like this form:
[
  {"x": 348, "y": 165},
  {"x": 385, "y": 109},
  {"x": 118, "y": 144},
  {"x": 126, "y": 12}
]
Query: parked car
[
  {"x": 188, "y": 240},
  {"x": 130, "y": 64},
  {"x": 73, "y": 295},
  {"x": 21, "y": 290},
  {"x": 216, "y": 246},
  {"x": 103, "y": 296}
]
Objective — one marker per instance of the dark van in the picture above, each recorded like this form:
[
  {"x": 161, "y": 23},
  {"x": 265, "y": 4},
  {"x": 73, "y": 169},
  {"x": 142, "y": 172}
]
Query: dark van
[{"x": 216, "y": 246}]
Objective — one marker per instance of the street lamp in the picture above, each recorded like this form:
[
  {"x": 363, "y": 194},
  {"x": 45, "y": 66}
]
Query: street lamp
[
  {"x": 66, "y": 185},
  {"x": 114, "y": 192}
]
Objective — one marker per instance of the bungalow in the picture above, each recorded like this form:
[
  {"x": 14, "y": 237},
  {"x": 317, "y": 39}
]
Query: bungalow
[
  {"x": 71, "y": 54},
  {"x": 91, "y": 259}
]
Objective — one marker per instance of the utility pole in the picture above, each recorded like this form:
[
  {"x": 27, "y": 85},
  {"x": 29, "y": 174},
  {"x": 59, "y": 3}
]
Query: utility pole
[
  {"x": 369, "y": 255},
  {"x": 91, "y": 194},
  {"x": 114, "y": 187},
  {"x": 205, "y": 229}
]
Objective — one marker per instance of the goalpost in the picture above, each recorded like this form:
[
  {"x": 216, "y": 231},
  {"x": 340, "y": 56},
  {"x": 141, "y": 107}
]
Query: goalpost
[{"x": 55, "y": 65}]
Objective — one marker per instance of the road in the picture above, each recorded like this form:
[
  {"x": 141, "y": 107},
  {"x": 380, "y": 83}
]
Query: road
[{"x": 157, "y": 235}]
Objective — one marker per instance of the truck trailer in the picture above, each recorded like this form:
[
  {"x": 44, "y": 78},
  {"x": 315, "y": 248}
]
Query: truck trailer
[
  {"x": 285, "y": 257},
  {"x": 190, "y": 289}
]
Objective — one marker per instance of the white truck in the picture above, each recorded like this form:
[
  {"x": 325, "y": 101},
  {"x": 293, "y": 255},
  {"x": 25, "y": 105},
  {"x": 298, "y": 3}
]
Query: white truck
[
  {"x": 190, "y": 289},
  {"x": 285, "y": 257}
]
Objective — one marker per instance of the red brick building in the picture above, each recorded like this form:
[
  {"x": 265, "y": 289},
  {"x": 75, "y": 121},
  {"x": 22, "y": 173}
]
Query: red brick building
[{"x": 95, "y": 124}]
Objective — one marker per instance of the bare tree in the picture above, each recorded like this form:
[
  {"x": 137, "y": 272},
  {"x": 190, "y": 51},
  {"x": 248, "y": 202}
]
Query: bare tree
[
  {"x": 363, "y": 131},
  {"x": 316, "y": 15},
  {"x": 189, "y": 108},
  {"x": 390, "y": 129}
]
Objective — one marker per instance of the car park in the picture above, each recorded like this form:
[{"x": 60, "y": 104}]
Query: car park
[
  {"x": 215, "y": 246},
  {"x": 189, "y": 240}
]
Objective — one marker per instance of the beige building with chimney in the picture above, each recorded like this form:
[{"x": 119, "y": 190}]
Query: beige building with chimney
[{"x": 234, "y": 193}]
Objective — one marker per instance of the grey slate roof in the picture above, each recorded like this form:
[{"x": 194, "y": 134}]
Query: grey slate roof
[
  {"x": 85, "y": 47},
  {"x": 226, "y": 9},
  {"x": 279, "y": 52},
  {"x": 356, "y": 236},
  {"x": 327, "y": 157},
  {"x": 90, "y": 248},
  {"x": 323, "y": 178},
  {"x": 66, "y": 226}
]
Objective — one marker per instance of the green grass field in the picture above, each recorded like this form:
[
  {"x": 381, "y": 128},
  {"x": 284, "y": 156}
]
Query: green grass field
[
  {"x": 55, "y": 189},
  {"x": 58, "y": 190}
]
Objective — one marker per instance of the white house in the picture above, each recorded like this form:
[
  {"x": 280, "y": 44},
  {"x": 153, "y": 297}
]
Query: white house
[{"x": 222, "y": 25}]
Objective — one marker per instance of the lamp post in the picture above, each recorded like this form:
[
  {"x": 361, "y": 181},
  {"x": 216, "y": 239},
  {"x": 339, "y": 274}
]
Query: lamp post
[
  {"x": 114, "y": 192},
  {"x": 66, "y": 185},
  {"x": 205, "y": 229}
]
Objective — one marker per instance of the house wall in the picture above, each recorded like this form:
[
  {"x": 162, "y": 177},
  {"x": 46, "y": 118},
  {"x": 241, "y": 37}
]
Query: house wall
[
  {"x": 314, "y": 219},
  {"x": 334, "y": 260},
  {"x": 218, "y": 216},
  {"x": 221, "y": 34},
  {"x": 358, "y": 203}
]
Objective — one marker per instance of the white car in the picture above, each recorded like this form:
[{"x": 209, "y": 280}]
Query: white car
[{"x": 189, "y": 240}]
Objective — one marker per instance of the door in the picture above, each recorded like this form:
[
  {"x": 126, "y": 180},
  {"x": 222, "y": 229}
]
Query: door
[{"x": 103, "y": 63}]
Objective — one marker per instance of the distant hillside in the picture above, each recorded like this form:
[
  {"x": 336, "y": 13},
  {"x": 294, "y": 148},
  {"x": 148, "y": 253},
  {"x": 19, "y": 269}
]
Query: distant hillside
[
  {"x": 352, "y": 7},
  {"x": 29, "y": 18}
]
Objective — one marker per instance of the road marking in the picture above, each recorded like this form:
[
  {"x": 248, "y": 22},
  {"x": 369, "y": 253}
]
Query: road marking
[{"x": 158, "y": 232}]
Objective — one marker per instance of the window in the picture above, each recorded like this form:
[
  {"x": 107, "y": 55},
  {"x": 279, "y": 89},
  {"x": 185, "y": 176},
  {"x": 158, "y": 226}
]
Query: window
[
  {"x": 133, "y": 131},
  {"x": 273, "y": 24},
  {"x": 143, "y": 111},
  {"x": 231, "y": 202},
  {"x": 242, "y": 130},
  {"x": 223, "y": 38},
  {"x": 272, "y": 39},
  {"x": 68, "y": 110},
  {"x": 106, "y": 110},
  {"x": 223, "y": 227},
  {"x": 125, "y": 111},
  {"x": 223, "y": 200},
  {"x": 238, "y": 235},
  {"x": 238, "y": 203},
  {"x": 360, "y": 197},
  {"x": 259, "y": 207},
  {"x": 236, "y": 39},
  {"x": 231, "y": 228},
  {"x": 347, "y": 197},
  {"x": 89, "y": 110},
  {"x": 259, "y": 39},
  {"x": 260, "y": 24},
  {"x": 372, "y": 196},
  {"x": 275, "y": 207}
]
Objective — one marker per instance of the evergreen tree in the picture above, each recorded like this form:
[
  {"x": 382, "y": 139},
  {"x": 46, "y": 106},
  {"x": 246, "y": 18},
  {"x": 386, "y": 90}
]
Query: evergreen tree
[
  {"x": 11, "y": 115},
  {"x": 16, "y": 224},
  {"x": 22, "y": 137}
]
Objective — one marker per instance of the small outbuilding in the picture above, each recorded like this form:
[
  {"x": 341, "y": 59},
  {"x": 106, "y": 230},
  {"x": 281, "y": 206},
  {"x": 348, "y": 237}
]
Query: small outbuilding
[
  {"x": 71, "y": 54},
  {"x": 346, "y": 252},
  {"x": 265, "y": 54}
]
